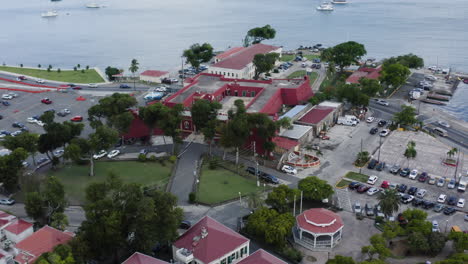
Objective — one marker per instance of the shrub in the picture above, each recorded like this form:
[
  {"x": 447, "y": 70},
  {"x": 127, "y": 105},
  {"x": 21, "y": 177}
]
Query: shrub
[
  {"x": 172, "y": 158},
  {"x": 21, "y": 65},
  {"x": 142, "y": 158},
  {"x": 153, "y": 158},
  {"x": 75, "y": 69},
  {"x": 48, "y": 69},
  {"x": 275, "y": 71},
  {"x": 214, "y": 163},
  {"x": 192, "y": 197},
  {"x": 38, "y": 65},
  {"x": 82, "y": 71},
  {"x": 50, "y": 66},
  {"x": 78, "y": 66},
  {"x": 291, "y": 254},
  {"x": 59, "y": 70},
  {"x": 87, "y": 67}
]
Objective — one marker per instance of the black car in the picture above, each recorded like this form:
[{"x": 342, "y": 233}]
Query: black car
[
  {"x": 17, "y": 124},
  {"x": 449, "y": 211},
  {"x": 124, "y": 86},
  {"x": 428, "y": 205},
  {"x": 417, "y": 202},
  {"x": 5, "y": 103},
  {"x": 251, "y": 170},
  {"x": 374, "y": 130},
  {"x": 71, "y": 85},
  {"x": 395, "y": 169},
  {"x": 372, "y": 164},
  {"x": 363, "y": 188},
  {"x": 185, "y": 225},
  {"x": 382, "y": 123},
  {"x": 1, "y": 117},
  {"x": 380, "y": 166},
  {"x": 412, "y": 190},
  {"x": 405, "y": 172},
  {"x": 402, "y": 188},
  {"x": 452, "y": 200},
  {"x": 354, "y": 185},
  {"x": 270, "y": 178}
]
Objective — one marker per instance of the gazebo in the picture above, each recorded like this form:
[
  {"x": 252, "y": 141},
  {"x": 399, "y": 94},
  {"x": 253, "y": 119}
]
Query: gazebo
[{"x": 318, "y": 229}]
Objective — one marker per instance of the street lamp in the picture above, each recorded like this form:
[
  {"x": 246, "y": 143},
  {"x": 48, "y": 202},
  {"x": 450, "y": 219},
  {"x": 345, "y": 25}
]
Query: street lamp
[{"x": 240, "y": 198}]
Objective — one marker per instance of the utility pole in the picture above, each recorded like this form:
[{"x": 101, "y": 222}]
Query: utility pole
[
  {"x": 360, "y": 152},
  {"x": 294, "y": 207},
  {"x": 456, "y": 166},
  {"x": 237, "y": 155},
  {"x": 183, "y": 73},
  {"x": 256, "y": 163},
  {"x": 300, "y": 207}
]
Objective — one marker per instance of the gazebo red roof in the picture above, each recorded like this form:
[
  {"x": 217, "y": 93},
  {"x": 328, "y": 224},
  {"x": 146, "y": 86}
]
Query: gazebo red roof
[{"x": 319, "y": 221}]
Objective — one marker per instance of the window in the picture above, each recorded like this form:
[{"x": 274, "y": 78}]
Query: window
[
  {"x": 223, "y": 261},
  {"x": 233, "y": 256},
  {"x": 237, "y": 254},
  {"x": 235, "y": 93},
  {"x": 237, "y": 75},
  {"x": 252, "y": 93},
  {"x": 224, "y": 73},
  {"x": 244, "y": 93}
]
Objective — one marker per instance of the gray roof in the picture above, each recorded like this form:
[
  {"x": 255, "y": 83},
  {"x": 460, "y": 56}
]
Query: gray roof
[
  {"x": 296, "y": 131},
  {"x": 294, "y": 111}
]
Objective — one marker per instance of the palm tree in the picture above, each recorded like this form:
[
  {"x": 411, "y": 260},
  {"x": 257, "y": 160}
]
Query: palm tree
[
  {"x": 410, "y": 152},
  {"x": 452, "y": 152},
  {"x": 134, "y": 68},
  {"x": 255, "y": 200},
  {"x": 389, "y": 201},
  {"x": 362, "y": 157}
]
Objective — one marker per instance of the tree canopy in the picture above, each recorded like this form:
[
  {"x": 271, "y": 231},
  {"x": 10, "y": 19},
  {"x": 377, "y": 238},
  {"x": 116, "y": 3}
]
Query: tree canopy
[
  {"x": 10, "y": 168},
  {"x": 264, "y": 63},
  {"x": 198, "y": 54},
  {"x": 341, "y": 260},
  {"x": 315, "y": 188},
  {"x": 113, "y": 111},
  {"x": 389, "y": 201},
  {"x": 394, "y": 74},
  {"x": 111, "y": 71},
  {"x": 378, "y": 247},
  {"x": 406, "y": 117},
  {"x": 460, "y": 241},
  {"x": 259, "y": 34},
  {"x": 270, "y": 226},
  {"x": 282, "y": 197},
  {"x": 344, "y": 54},
  {"x": 409, "y": 60},
  {"x": 62, "y": 254}
]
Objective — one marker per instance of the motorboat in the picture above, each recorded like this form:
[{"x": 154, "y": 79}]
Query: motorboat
[
  {"x": 93, "y": 5},
  {"x": 339, "y": 2},
  {"x": 50, "y": 13},
  {"x": 325, "y": 7}
]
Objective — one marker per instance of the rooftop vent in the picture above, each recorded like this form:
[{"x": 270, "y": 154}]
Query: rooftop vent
[{"x": 204, "y": 232}]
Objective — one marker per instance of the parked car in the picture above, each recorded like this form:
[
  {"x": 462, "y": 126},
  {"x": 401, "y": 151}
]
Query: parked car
[
  {"x": 64, "y": 112},
  {"x": 113, "y": 153},
  {"x": 374, "y": 130},
  {"x": 417, "y": 202},
  {"x": 100, "y": 154},
  {"x": 449, "y": 211},
  {"x": 372, "y": 164},
  {"x": 380, "y": 166},
  {"x": 251, "y": 170},
  {"x": 22, "y": 78},
  {"x": 431, "y": 181},
  {"x": 7, "y": 97},
  {"x": 40, "y": 81},
  {"x": 144, "y": 152},
  {"x": 451, "y": 184},
  {"x": 289, "y": 170},
  {"x": 423, "y": 177},
  {"x": 357, "y": 208},
  {"x": 270, "y": 178},
  {"x": 461, "y": 202},
  {"x": 385, "y": 185},
  {"x": 369, "y": 209},
  {"x": 452, "y": 200},
  {"x": 363, "y": 188},
  {"x": 372, "y": 191},
  {"x": 76, "y": 119},
  {"x": 443, "y": 123},
  {"x": 382, "y": 102},
  {"x": 405, "y": 172},
  {"x": 441, "y": 182},
  {"x": 421, "y": 193},
  {"x": 5, "y": 103},
  {"x": 412, "y": 190},
  {"x": 382, "y": 123},
  {"x": 17, "y": 124},
  {"x": 185, "y": 225},
  {"x": 442, "y": 198},
  {"x": 77, "y": 88},
  {"x": 7, "y": 201},
  {"x": 402, "y": 188},
  {"x": 378, "y": 211},
  {"x": 435, "y": 226},
  {"x": 46, "y": 101},
  {"x": 428, "y": 205},
  {"x": 438, "y": 207},
  {"x": 59, "y": 153},
  {"x": 370, "y": 119},
  {"x": 124, "y": 86},
  {"x": 354, "y": 185},
  {"x": 372, "y": 179},
  {"x": 42, "y": 161},
  {"x": 395, "y": 169},
  {"x": 92, "y": 85},
  {"x": 413, "y": 174}
]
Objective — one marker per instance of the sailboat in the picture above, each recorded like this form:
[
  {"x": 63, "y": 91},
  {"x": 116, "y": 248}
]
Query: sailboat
[
  {"x": 50, "y": 13},
  {"x": 93, "y": 5}
]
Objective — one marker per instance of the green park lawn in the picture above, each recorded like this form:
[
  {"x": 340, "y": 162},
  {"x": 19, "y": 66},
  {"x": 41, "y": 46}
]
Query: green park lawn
[
  {"x": 299, "y": 74},
  {"x": 356, "y": 176},
  {"x": 290, "y": 57},
  {"x": 75, "y": 177},
  {"x": 221, "y": 185},
  {"x": 342, "y": 183},
  {"x": 89, "y": 76}
]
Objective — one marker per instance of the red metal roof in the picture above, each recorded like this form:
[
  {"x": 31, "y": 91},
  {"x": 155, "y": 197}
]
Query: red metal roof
[
  {"x": 319, "y": 221},
  {"x": 229, "y": 52},
  {"x": 316, "y": 114},
  {"x": 139, "y": 258},
  {"x": 261, "y": 257},
  {"x": 18, "y": 227},
  {"x": 240, "y": 59},
  {"x": 154, "y": 73},
  {"x": 368, "y": 73},
  {"x": 220, "y": 240},
  {"x": 40, "y": 242},
  {"x": 285, "y": 143}
]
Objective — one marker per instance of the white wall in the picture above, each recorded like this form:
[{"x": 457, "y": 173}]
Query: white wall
[
  {"x": 153, "y": 79},
  {"x": 17, "y": 238}
]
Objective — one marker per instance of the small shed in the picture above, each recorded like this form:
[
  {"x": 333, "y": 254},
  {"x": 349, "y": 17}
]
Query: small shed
[{"x": 153, "y": 76}]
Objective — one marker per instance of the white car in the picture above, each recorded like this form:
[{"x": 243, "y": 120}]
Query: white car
[
  {"x": 7, "y": 97},
  {"x": 382, "y": 102},
  {"x": 442, "y": 198},
  {"x": 413, "y": 174},
  {"x": 289, "y": 169},
  {"x": 59, "y": 153},
  {"x": 161, "y": 89},
  {"x": 372, "y": 179},
  {"x": 113, "y": 153},
  {"x": 92, "y": 85},
  {"x": 174, "y": 80},
  {"x": 435, "y": 226},
  {"x": 40, "y": 123},
  {"x": 370, "y": 119},
  {"x": 461, "y": 202},
  {"x": 40, "y": 81},
  {"x": 14, "y": 95},
  {"x": 31, "y": 120},
  {"x": 384, "y": 133},
  {"x": 451, "y": 184},
  {"x": 66, "y": 110},
  {"x": 421, "y": 193},
  {"x": 440, "y": 182},
  {"x": 101, "y": 154},
  {"x": 357, "y": 208},
  {"x": 372, "y": 191},
  {"x": 443, "y": 123}
]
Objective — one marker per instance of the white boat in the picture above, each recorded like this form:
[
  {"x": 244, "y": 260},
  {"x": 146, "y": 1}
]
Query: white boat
[
  {"x": 339, "y": 2},
  {"x": 325, "y": 7},
  {"x": 93, "y": 5},
  {"x": 50, "y": 13}
]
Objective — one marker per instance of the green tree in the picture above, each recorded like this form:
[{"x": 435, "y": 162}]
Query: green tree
[
  {"x": 204, "y": 117},
  {"x": 370, "y": 87},
  {"x": 255, "y": 200},
  {"x": 407, "y": 116},
  {"x": 264, "y": 63},
  {"x": 409, "y": 60},
  {"x": 270, "y": 226},
  {"x": 113, "y": 111},
  {"x": 378, "y": 246},
  {"x": 345, "y": 54},
  {"x": 394, "y": 74},
  {"x": 389, "y": 201},
  {"x": 460, "y": 241},
  {"x": 282, "y": 197},
  {"x": 258, "y": 34},
  {"x": 341, "y": 260},
  {"x": 392, "y": 229},
  {"x": 362, "y": 157},
  {"x": 353, "y": 94},
  {"x": 10, "y": 168},
  {"x": 436, "y": 241},
  {"x": 27, "y": 141},
  {"x": 452, "y": 152},
  {"x": 62, "y": 254},
  {"x": 134, "y": 67},
  {"x": 410, "y": 152},
  {"x": 315, "y": 188},
  {"x": 59, "y": 221},
  {"x": 170, "y": 124},
  {"x": 198, "y": 54},
  {"x": 417, "y": 222},
  {"x": 417, "y": 242},
  {"x": 111, "y": 71},
  {"x": 34, "y": 206},
  {"x": 152, "y": 115},
  {"x": 460, "y": 258}
]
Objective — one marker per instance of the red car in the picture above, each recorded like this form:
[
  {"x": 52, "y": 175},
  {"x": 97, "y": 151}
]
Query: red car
[
  {"x": 76, "y": 119},
  {"x": 76, "y": 88},
  {"x": 363, "y": 188},
  {"x": 22, "y": 78},
  {"x": 46, "y": 101}
]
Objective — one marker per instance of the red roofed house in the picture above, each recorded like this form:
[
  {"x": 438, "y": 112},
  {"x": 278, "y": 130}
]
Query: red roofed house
[
  {"x": 318, "y": 228},
  {"x": 227, "y": 53},
  {"x": 42, "y": 241},
  {"x": 368, "y": 73},
  {"x": 210, "y": 242},
  {"x": 321, "y": 116},
  {"x": 237, "y": 63},
  {"x": 18, "y": 230},
  {"x": 261, "y": 257},
  {"x": 153, "y": 76},
  {"x": 139, "y": 258}
]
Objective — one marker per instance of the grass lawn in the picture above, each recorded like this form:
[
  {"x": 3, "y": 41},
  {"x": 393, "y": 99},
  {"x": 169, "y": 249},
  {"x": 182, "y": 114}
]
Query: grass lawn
[
  {"x": 89, "y": 76},
  {"x": 76, "y": 179},
  {"x": 300, "y": 74},
  {"x": 221, "y": 185},
  {"x": 290, "y": 57},
  {"x": 342, "y": 183},
  {"x": 356, "y": 176}
]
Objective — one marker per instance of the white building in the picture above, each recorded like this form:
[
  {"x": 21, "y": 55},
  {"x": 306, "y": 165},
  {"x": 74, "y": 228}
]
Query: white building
[
  {"x": 237, "y": 62},
  {"x": 153, "y": 76}
]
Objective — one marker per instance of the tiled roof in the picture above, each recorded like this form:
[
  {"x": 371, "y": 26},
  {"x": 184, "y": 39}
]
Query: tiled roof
[
  {"x": 242, "y": 58},
  {"x": 139, "y": 258},
  {"x": 219, "y": 241},
  {"x": 154, "y": 73},
  {"x": 229, "y": 52},
  {"x": 368, "y": 73},
  {"x": 316, "y": 114},
  {"x": 261, "y": 257},
  {"x": 18, "y": 226},
  {"x": 40, "y": 242},
  {"x": 285, "y": 143},
  {"x": 319, "y": 221}
]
